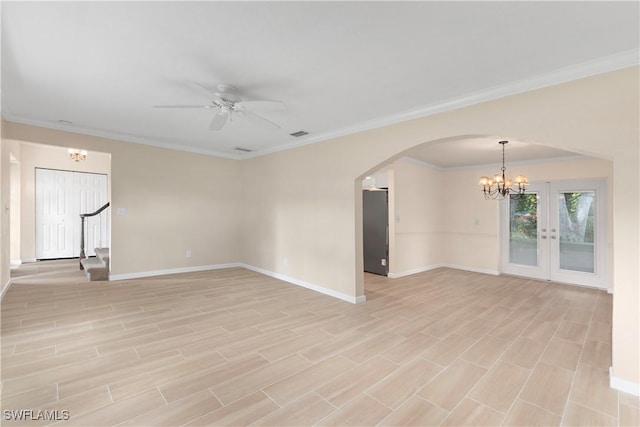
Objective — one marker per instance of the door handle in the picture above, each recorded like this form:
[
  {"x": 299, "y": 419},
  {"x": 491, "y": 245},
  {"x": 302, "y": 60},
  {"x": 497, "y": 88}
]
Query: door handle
[
  {"x": 553, "y": 237},
  {"x": 543, "y": 229},
  {"x": 544, "y": 236}
]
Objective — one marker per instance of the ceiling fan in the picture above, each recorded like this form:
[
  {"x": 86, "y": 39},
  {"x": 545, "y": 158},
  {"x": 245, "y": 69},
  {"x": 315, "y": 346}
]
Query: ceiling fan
[{"x": 228, "y": 105}]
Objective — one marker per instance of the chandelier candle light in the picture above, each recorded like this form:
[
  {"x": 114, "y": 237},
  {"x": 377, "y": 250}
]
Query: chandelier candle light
[
  {"x": 76, "y": 154},
  {"x": 500, "y": 187}
]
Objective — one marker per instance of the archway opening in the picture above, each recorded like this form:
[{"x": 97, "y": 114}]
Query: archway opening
[{"x": 438, "y": 216}]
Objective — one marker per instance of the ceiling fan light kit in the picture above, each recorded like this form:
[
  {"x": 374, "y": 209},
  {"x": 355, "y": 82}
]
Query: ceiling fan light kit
[{"x": 227, "y": 104}]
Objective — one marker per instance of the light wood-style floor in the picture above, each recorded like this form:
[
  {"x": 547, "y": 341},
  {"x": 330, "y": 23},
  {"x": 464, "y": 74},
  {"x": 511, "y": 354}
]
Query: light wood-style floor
[{"x": 233, "y": 347}]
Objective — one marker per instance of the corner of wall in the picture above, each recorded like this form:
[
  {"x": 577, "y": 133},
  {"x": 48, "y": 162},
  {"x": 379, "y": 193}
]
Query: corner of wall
[
  {"x": 623, "y": 385},
  {"x": 5, "y": 288}
]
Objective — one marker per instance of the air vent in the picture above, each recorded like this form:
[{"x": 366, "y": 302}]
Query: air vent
[
  {"x": 244, "y": 150},
  {"x": 299, "y": 133}
]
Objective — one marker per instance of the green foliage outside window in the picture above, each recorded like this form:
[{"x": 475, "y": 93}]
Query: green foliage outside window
[
  {"x": 576, "y": 217},
  {"x": 524, "y": 217}
]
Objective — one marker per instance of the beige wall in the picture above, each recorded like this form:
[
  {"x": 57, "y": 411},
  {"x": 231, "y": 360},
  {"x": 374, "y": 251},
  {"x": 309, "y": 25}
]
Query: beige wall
[
  {"x": 289, "y": 218},
  {"x": 416, "y": 224},
  {"x": 295, "y": 208},
  {"x": 174, "y": 201},
  {"x": 4, "y": 213},
  {"x": 50, "y": 157},
  {"x": 15, "y": 210}
]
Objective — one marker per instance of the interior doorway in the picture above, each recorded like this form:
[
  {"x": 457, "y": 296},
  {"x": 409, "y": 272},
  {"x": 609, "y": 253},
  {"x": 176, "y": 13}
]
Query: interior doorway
[
  {"x": 375, "y": 232},
  {"x": 557, "y": 231},
  {"x": 61, "y": 196}
]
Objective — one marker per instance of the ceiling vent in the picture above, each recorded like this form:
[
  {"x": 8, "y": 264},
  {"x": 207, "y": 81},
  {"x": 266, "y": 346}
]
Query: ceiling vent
[
  {"x": 244, "y": 150},
  {"x": 299, "y": 133}
]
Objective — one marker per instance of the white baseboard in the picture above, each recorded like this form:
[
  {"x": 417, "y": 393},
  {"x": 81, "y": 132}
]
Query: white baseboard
[
  {"x": 361, "y": 298},
  {"x": 141, "y": 274},
  {"x": 4, "y": 290},
  {"x": 434, "y": 266},
  {"x": 610, "y": 291},
  {"x": 414, "y": 271},
  {"x": 313, "y": 287},
  {"x": 473, "y": 269},
  {"x": 623, "y": 385},
  {"x": 14, "y": 263},
  {"x": 321, "y": 289}
]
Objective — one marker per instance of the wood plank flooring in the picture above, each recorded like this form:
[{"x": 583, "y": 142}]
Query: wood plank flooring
[{"x": 233, "y": 347}]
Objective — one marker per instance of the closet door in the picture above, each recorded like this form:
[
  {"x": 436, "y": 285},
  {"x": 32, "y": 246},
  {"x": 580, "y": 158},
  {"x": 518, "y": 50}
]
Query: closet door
[
  {"x": 92, "y": 190},
  {"x": 61, "y": 196},
  {"x": 56, "y": 212}
]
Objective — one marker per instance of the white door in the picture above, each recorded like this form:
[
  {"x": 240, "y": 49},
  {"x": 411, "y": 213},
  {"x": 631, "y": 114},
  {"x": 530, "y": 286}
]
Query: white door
[
  {"x": 61, "y": 196},
  {"x": 55, "y": 222},
  {"x": 557, "y": 232},
  {"x": 92, "y": 190}
]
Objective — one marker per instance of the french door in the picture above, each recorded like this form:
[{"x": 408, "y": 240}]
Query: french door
[{"x": 557, "y": 231}]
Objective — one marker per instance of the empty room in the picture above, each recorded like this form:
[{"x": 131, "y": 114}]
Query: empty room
[{"x": 320, "y": 213}]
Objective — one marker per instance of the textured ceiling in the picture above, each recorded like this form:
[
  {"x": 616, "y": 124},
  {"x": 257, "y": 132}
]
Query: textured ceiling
[{"x": 339, "y": 67}]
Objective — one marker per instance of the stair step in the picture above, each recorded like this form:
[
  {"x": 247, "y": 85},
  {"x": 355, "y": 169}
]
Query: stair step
[
  {"x": 96, "y": 268},
  {"x": 103, "y": 254}
]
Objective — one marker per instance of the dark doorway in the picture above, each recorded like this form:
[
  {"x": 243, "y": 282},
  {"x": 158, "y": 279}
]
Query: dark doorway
[{"x": 375, "y": 220}]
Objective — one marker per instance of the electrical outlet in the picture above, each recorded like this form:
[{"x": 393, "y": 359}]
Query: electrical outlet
[
  {"x": 383, "y": 261},
  {"x": 188, "y": 253}
]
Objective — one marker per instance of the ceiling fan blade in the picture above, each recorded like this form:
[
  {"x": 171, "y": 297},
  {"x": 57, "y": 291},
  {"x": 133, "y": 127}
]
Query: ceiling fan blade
[
  {"x": 210, "y": 93},
  {"x": 183, "y": 106},
  {"x": 262, "y": 105},
  {"x": 259, "y": 120},
  {"x": 218, "y": 121}
]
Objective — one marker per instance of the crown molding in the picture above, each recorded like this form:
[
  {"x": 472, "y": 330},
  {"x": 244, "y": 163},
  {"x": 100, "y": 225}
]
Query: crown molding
[
  {"x": 563, "y": 75},
  {"x": 115, "y": 135},
  {"x": 427, "y": 165}
]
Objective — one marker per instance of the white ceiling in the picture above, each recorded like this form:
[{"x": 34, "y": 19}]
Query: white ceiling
[
  {"x": 473, "y": 151},
  {"x": 339, "y": 67}
]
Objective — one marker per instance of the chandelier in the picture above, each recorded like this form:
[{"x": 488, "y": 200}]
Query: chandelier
[
  {"x": 500, "y": 187},
  {"x": 76, "y": 154}
]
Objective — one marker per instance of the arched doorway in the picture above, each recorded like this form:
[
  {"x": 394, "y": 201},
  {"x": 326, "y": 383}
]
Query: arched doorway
[{"x": 438, "y": 216}]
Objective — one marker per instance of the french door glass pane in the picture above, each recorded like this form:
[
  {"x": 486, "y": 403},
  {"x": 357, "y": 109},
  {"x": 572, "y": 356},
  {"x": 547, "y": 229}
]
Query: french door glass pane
[
  {"x": 523, "y": 230},
  {"x": 576, "y": 231}
]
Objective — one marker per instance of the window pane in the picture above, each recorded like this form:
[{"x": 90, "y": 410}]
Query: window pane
[
  {"x": 523, "y": 230},
  {"x": 576, "y": 232}
]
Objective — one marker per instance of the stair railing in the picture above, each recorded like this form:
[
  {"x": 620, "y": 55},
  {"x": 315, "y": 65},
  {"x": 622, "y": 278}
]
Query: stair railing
[{"x": 82, "y": 219}]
